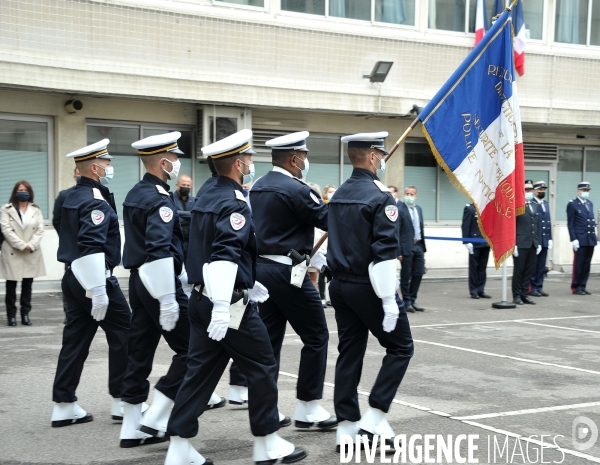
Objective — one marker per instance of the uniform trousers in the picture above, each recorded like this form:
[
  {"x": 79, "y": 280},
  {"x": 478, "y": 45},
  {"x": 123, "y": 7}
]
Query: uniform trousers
[
  {"x": 582, "y": 260},
  {"x": 79, "y": 332},
  {"x": 359, "y": 311},
  {"x": 411, "y": 274},
  {"x": 11, "y": 297},
  {"x": 303, "y": 308},
  {"x": 523, "y": 268},
  {"x": 250, "y": 349},
  {"x": 539, "y": 271},
  {"x": 478, "y": 261},
  {"x": 144, "y": 337}
]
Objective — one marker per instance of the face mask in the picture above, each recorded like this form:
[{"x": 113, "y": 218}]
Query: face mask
[
  {"x": 409, "y": 200},
  {"x": 184, "y": 191},
  {"x": 541, "y": 195},
  {"x": 304, "y": 171},
  {"x": 247, "y": 178},
  {"x": 175, "y": 170},
  {"x": 109, "y": 172},
  {"x": 585, "y": 195},
  {"x": 528, "y": 196},
  {"x": 381, "y": 170},
  {"x": 23, "y": 196}
]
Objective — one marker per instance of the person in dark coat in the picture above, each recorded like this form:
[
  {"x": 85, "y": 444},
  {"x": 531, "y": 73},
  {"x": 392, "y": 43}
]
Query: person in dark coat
[
  {"x": 479, "y": 253},
  {"x": 540, "y": 270}
]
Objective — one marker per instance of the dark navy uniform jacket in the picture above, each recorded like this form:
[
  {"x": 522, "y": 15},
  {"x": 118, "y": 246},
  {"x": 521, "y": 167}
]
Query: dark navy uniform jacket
[
  {"x": 581, "y": 223},
  {"x": 222, "y": 230},
  {"x": 363, "y": 227},
  {"x": 545, "y": 223},
  {"x": 89, "y": 224},
  {"x": 152, "y": 229},
  {"x": 528, "y": 227},
  {"x": 208, "y": 184},
  {"x": 58, "y": 203},
  {"x": 286, "y": 212},
  {"x": 470, "y": 228}
]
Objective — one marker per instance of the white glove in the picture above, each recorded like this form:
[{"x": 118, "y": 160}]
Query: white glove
[
  {"x": 575, "y": 245},
  {"x": 516, "y": 252},
  {"x": 258, "y": 293},
  {"x": 187, "y": 287},
  {"x": 99, "y": 302},
  {"x": 469, "y": 247},
  {"x": 319, "y": 260},
  {"x": 538, "y": 250},
  {"x": 391, "y": 312},
  {"x": 550, "y": 244},
  {"x": 219, "y": 321},
  {"x": 169, "y": 311}
]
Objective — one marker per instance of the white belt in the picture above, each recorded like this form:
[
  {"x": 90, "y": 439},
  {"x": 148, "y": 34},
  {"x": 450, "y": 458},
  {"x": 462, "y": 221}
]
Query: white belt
[
  {"x": 197, "y": 289},
  {"x": 279, "y": 259}
]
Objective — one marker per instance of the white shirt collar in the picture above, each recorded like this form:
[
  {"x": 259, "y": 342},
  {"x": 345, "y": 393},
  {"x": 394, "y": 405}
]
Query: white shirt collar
[{"x": 277, "y": 169}]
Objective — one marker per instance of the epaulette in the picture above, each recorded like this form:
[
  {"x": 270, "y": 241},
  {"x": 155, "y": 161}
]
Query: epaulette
[
  {"x": 97, "y": 194},
  {"x": 161, "y": 190},
  {"x": 240, "y": 196},
  {"x": 382, "y": 187}
]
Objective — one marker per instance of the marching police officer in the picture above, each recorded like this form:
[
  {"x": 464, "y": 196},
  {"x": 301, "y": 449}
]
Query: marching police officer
[
  {"x": 286, "y": 212},
  {"x": 539, "y": 270},
  {"x": 90, "y": 245},
  {"x": 527, "y": 246},
  {"x": 363, "y": 246},
  {"x": 222, "y": 260},
  {"x": 582, "y": 231},
  {"x": 479, "y": 253}
]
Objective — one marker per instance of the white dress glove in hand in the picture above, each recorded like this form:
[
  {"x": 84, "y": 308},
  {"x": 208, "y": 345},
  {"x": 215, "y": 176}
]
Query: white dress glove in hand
[
  {"x": 169, "y": 311},
  {"x": 391, "y": 312},
  {"x": 538, "y": 250},
  {"x": 575, "y": 245},
  {"x": 516, "y": 252},
  {"x": 99, "y": 302},
  {"x": 219, "y": 321},
  {"x": 187, "y": 287},
  {"x": 258, "y": 293},
  {"x": 549, "y": 244},
  {"x": 469, "y": 247},
  {"x": 319, "y": 260}
]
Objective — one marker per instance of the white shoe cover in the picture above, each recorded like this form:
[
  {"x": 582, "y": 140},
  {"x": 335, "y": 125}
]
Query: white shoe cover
[
  {"x": 311, "y": 412},
  {"x": 116, "y": 409},
  {"x": 181, "y": 452},
  {"x": 375, "y": 422},
  {"x": 281, "y": 416},
  {"x": 214, "y": 399},
  {"x": 67, "y": 411},
  {"x": 132, "y": 415},
  {"x": 349, "y": 428},
  {"x": 238, "y": 394},
  {"x": 157, "y": 416},
  {"x": 271, "y": 447}
]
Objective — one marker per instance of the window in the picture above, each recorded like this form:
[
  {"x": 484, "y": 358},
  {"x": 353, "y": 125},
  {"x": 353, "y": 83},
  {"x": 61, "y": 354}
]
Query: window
[
  {"x": 314, "y": 7},
  {"x": 26, "y": 154},
  {"x": 258, "y": 3},
  {"x": 351, "y": 9},
  {"x": 395, "y": 11},
  {"x": 577, "y": 22},
  {"x": 421, "y": 170}
]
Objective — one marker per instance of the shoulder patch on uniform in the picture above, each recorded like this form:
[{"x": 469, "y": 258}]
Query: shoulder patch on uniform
[
  {"x": 97, "y": 216},
  {"x": 161, "y": 190},
  {"x": 382, "y": 187},
  {"x": 314, "y": 197},
  {"x": 97, "y": 194},
  {"x": 237, "y": 221},
  {"x": 240, "y": 196},
  {"x": 391, "y": 211},
  {"x": 166, "y": 214}
]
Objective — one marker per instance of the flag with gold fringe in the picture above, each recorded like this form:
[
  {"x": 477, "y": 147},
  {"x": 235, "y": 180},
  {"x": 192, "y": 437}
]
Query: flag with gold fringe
[{"x": 473, "y": 126}]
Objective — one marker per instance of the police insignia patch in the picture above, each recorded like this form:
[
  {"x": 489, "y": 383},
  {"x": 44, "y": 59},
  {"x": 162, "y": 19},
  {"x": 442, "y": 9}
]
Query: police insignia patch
[
  {"x": 391, "y": 211},
  {"x": 237, "y": 221},
  {"x": 315, "y": 198},
  {"x": 97, "y": 217},
  {"x": 166, "y": 214}
]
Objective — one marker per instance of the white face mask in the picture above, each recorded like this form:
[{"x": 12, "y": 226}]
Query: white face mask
[
  {"x": 109, "y": 172},
  {"x": 175, "y": 170}
]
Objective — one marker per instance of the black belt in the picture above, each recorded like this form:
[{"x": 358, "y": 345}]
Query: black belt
[{"x": 236, "y": 296}]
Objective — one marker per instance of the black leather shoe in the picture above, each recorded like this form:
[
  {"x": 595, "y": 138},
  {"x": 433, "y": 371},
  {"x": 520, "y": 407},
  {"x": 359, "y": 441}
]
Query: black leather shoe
[
  {"x": 417, "y": 308},
  {"x": 219, "y": 405},
  {"x": 410, "y": 309},
  {"x": 25, "y": 320},
  {"x": 535, "y": 294},
  {"x": 61, "y": 423},
  {"x": 474, "y": 296},
  {"x": 331, "y": 422},
  {"x": 287, "y": 421},
  {"x": 485, "y": 296},
  {"x": 527, "y": 300},
  {"x": 517, "y": 301},
  {"x": 13, "y": 322},
  {"x": 579, "y": 292},
  {"x": 544, "y": 294},
  {"x": 129, "y": 443},
  {"x": 586, "y": 292},
  {"x": 389, "y": 441}
]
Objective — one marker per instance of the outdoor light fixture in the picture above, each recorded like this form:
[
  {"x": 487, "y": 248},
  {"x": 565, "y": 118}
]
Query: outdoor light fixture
[{"x": 380, "y": 71}]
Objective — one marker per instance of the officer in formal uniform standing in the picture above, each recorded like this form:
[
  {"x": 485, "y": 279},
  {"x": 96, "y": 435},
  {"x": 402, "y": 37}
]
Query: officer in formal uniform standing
[
  {"x": 582, "y": 231},
  {"x": 286, "y": 212},
  {"x": 479, "y": 253},
  {"x": 527, "y": 246},
  {"x": 90, "y": 245},
  {"x": 363, "y": 247},
  {"x": 222, "y": 261},
  {"x": 539, "y": 270}
]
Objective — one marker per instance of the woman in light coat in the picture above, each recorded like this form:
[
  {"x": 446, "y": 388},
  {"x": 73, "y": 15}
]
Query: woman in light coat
[{"x": 21, "y": 259}]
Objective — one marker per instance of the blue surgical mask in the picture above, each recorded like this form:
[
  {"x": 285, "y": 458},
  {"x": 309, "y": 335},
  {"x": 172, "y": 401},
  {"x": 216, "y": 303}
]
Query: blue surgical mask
[
  {"x": 304, "y": 171},
  {"x": 23, "y": 196},
  {"x": 585, "y": 195},
  {"x": 408, "y": 200},
  {"x": 529, "y": 196},
  {"x": 381, "y": 170},
  {"x": 109, "y": 172},
  {"x": 248, "y": 178}
]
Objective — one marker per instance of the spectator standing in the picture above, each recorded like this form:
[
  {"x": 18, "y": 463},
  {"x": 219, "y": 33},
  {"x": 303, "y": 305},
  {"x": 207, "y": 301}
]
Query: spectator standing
[
  {"x": 394, "y": 192},
  {"x": 582, "y": 231},
  {"x": 479, "y": 253},
  {"x": 540, "y": 270},
  {"x": 21, "y": 259},
  {"x": 328, "y": 192},
  {"x": 184, "y": 203}
]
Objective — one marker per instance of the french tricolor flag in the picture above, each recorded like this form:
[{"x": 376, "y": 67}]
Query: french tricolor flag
[
  {"x": 473, "y": 126},
  {"x": 520, "y": 38},
  {"x": 480, "y": 17}
]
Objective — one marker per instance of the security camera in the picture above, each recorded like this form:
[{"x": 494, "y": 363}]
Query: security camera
[{"x": 73, "y": 106}]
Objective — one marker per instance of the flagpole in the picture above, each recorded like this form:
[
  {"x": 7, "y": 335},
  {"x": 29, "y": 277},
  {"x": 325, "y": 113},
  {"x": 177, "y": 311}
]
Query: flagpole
[
  {"x": 394, "y": 148},
  {"x": 504, "y": 304}
]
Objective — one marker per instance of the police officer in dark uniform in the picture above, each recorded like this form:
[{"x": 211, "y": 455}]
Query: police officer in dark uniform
[
  {"x": 362, "y": 251},
  {"x": 540, "y": 270},
  {"x": 222, "y": 264},
  {"x": 582, "y": 231},
  {"x": 479, "y": 253},
  {"x": 286, "y": 212},
  {"x": 90, "y": 246},
  {"x": 527, "y": 246}
]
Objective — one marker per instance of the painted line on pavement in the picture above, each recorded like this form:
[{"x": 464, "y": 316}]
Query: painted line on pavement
[
  {"x": 528, "y": 411},
  {"x": 560, "y": 327},
  {"x": 505, "y": 321}
]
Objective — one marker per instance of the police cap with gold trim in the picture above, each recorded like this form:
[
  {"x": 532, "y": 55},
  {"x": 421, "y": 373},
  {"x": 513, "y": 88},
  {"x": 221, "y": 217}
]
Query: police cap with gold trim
[
  {"x": 369, "y": 140},
  {"x": 96, "y": 150},
  {"x": 235, "y": 144},
  {"x": 158, "y": 144}
]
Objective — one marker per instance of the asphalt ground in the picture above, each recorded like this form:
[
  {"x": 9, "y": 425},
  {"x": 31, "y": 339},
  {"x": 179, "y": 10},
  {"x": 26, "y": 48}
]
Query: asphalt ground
[{"x": 506, "y": 376}]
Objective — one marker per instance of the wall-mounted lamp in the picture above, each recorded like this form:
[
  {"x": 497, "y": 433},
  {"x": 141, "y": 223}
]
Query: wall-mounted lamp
[{"x": 380, "y": 71}]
